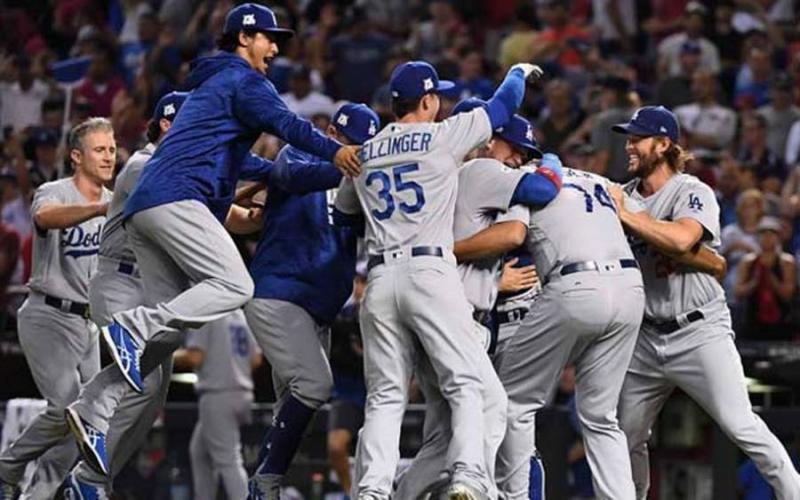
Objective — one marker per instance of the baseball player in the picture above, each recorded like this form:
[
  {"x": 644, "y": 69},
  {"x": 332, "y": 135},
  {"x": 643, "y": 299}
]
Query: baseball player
[
  {"x": 303, "y": 271},
  {"x": 54, "y": 332},
  {"x": 224, "y": 355},
  {"x": 191, "y": 269},
  {"x": 686, "y": 338},
  {"x": 407, "y": 194},
  {"x": 116, "y": 287},
  {"x": 477, "y": 207}
]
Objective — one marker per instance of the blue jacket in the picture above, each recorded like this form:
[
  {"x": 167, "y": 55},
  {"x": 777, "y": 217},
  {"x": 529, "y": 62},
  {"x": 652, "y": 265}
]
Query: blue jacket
[
  {"x": 302, "y": 257},
  {"x": 201, "y": 155}
]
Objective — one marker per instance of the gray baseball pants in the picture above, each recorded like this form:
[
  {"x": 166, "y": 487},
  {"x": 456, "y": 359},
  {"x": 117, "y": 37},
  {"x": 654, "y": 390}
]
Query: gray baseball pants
[
  {"x": 702, "y": 360},
  {"x": 296, "y": 348},
  {"x": 216, "y": 449},
  {"x": 590, "y": 319},
  {"x": 62, "y": 352},
  {"x": 410, "y": 300}
]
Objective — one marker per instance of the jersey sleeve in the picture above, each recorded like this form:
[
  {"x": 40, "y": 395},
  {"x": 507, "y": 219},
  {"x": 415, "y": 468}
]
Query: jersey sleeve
[
  {"x": 347, "y": 198},
  {"x": 298, "y": 173},
  {"x": 519, "y": 213},
  {"x": 46, "y": 194},
  {"x": 697, "y": 201},
  {"x": 493, "y": 182},
  {"x": 463, "y": 132}
]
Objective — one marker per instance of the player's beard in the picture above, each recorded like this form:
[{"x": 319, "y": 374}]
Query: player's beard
[{"x": 645, "y": 164}]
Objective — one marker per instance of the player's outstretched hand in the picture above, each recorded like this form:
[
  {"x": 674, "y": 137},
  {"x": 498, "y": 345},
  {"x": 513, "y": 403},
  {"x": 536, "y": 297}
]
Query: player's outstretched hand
[
  {"x": 532, "y": 72},
  {"x": 516, "y": 279},
  {"x": 346, "y": 160}
]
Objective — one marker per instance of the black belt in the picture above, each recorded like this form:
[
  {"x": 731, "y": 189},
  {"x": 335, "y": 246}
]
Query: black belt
[
  {"x": 665, "y": 327},
  {"x": 126, "y": 268},
  {"x": 74, "y": 307},
  {"x": 511, "y": 316},
  {"x": 590, "y": 265},
  {"x": 377, "y": 260}
]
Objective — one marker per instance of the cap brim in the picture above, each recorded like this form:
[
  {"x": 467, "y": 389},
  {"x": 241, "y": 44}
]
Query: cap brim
[
  {"x": 528, "y": 146},
  {"x": 445, "y": 85},
  {"x": 631, "y": 129},
  {"x": 282, "y": 33}
]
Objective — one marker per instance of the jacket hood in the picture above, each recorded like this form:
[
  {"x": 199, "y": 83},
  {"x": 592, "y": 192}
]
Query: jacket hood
[{"x": 205, "y": 67}]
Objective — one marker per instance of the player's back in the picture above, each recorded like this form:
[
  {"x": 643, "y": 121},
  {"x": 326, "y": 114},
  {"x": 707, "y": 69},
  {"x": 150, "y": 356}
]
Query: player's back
[
  {"x": 580, "y": 224},
  {"x": 409, "y": 182}
]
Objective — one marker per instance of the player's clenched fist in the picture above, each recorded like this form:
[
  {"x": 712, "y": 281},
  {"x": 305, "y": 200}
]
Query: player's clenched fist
[
  {"x": 347, "y": 161},
  {"x": 531, "y": 71}
]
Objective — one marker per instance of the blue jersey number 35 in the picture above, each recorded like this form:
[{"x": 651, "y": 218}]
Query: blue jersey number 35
[{"x": 385, "y": 191}]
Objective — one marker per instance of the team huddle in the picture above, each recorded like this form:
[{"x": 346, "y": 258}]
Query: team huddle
[{"x": 629, "y": 291}]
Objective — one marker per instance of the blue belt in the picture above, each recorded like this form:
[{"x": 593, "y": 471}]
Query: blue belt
[{"x": 377, "y": 260}]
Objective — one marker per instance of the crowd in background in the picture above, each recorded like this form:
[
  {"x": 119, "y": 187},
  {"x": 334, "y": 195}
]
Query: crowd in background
[{"x": 730, "y": 70}]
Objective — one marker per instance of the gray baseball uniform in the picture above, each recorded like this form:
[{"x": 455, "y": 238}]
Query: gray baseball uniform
[
  {"x": 107, "y": 402},
  {"x": 225, "y": 393},
  {"x": 686, "y": 341},
  {"x": 61, "y": 350},
  {"x": 588, "y": 313},
  {"x": 485, "y": 188},
  {"x": 407, "y": 191}
]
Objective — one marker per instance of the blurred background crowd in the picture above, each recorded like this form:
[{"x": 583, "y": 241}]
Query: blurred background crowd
[{"x": 729, "y": 69}]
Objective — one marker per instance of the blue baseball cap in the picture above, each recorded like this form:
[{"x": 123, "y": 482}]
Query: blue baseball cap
[
  {"x": 169, "y": 104},
  {"x": 651, "y": 121},
  {"x": 467, "y": 105},
  {"x": 357, "y": 122},
  {"x": 45, "y": 137},
  {"x": 519, "y": 132},
  {"x": 414, "y": 79},
  {"x": 251, "y": 16}
]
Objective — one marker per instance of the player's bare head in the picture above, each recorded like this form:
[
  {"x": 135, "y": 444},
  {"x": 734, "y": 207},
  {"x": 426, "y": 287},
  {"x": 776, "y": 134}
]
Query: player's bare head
[
  {"x": 92, "y": 149},
  {"x": 414, "y": 87},
  {"x": 252, "y": 32}
]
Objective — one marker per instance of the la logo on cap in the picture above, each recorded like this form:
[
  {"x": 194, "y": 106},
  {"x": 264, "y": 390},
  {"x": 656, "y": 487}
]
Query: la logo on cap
[
  {"x": 342, "y": 120},
  {"x": 372, "y": 128},
  {"x": 529, "y": 133},
  {"x": 248, "y": 20},
  {"x": 635, "y": 115},
  {"x": 427, "y": 83},
  {"x": 169, "y": 109}
]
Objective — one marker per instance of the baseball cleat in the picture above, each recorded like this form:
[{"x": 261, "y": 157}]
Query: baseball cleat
[
  {"x": 264, "y": 487},
  {"x": 91, "y": 442},
  {"x": 125, "y": 351},
  {"x": 78, "y": 490}
]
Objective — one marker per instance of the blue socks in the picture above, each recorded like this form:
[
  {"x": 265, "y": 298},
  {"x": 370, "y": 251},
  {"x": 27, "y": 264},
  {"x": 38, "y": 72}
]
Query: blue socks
[{"x": 283, "y": 439}]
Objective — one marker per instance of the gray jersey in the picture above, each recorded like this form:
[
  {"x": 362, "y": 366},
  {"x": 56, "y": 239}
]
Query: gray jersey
[
  {"x": 485, "y": 188},
  {"x": 673, "y": 289},
  {"x": 580, "y": 224},
  {"x": 229, "y": 347},
  {"x": 408, "y": 186},
  {"x": 114, "y": 241},
  {"x": 65, "y": 259}
]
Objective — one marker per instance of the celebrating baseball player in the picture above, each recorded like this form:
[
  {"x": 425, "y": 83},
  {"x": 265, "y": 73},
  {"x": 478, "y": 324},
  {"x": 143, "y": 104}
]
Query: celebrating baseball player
[
  {"x": 191, "y": 269},
  {"x": 115, "y": 287},
  {"x": 407, "y": 194},
  {"x": 686, "y": 339},
  {"x": 303, "y": 271},
  {"x": 485, "y": 189},
  {"x": 61, "y": 349}
]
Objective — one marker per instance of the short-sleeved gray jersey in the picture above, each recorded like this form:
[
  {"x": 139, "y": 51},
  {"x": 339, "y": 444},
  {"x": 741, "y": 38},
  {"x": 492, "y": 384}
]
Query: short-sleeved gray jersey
[
  {"x": 228, "y": 347},
  {"x": 485, "y": 188},
  {"x": 407, "y": 189},
  {"x": 580, "y": 224},
  {"x": 114, "y": 241},
  {"x": 672, "y": 289},
  {"x": 65, "y": 259}
]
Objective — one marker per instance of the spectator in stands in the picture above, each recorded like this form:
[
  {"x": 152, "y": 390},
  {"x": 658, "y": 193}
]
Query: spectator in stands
[
  {"x": 615, "y": 23},
  {"x": 134, "y": 51},
  {"x": 755, "y": 154},
  {"x": 790, "y": 201},
  {"x": 303, "y": 99},
  {"x": 44, "y": 167},
  {"x": 102, "y": 83},
  {"x": 740, "y": 239},
  {"x": 429, "y": 39},
  {"x": 560, "y": 35},
  {"x": 766, "y": 285},
  {"x": 706, "y": 126},
  {"x": 519, "y": 45},
  {"x": 472, "y": 81},
  {"x": 21, "y": 95},
  {"x": 610, "y": 158},
  {"x": 9, "y": 253},
  {"x": 669, "y": 50},
  {"x": 560, "y": 117},
  {"x": 728, "y": 189},
  {"x": 357, "y": 58},
  {"x": 676, "y": 90},
  {"x": 780, "y": 113},
  {"x": 753, "y": 79}
]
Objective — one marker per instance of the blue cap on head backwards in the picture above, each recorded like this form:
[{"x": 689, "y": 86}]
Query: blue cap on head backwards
[{"x": 357, "y": 122}]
